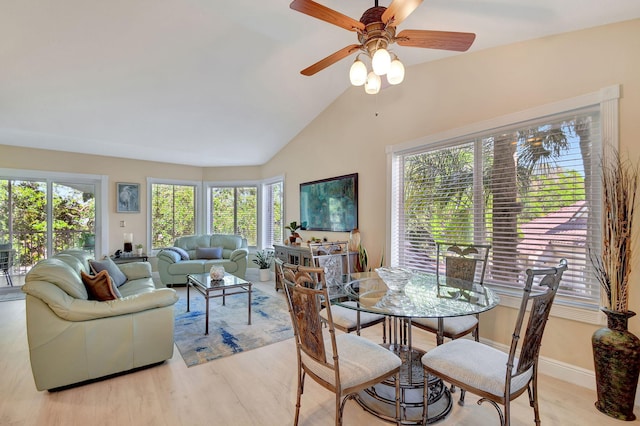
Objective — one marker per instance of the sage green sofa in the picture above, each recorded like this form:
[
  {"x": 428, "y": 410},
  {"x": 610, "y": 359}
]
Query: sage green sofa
[
  {"x": 192, "y": 255},
  {"x": 73, "y": 339}
]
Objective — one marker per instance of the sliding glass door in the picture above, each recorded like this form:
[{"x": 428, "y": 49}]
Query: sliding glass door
[{"x": 39, "y": 217}]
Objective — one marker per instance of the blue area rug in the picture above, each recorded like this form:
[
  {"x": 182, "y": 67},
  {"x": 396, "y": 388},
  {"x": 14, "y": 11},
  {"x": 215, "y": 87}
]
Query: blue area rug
[{"x": 229, "y": 332}]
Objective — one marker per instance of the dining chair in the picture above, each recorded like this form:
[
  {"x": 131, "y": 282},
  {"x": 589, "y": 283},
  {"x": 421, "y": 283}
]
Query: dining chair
[
  {"x": 461, "y": 266},
  {"x": 345, "y": 363},
  {"x": 496, "y": 376},
  {"x": 6, "y": 262},
  {"x": 334, "y": 258}
]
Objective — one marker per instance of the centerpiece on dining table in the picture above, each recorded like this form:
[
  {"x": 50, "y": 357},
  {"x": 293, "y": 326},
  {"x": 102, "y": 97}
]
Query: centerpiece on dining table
[{"x": 396, "y": 279}]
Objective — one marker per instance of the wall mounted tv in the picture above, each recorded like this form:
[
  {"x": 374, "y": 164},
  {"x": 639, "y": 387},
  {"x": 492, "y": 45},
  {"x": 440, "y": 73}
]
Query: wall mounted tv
[{"x": 330, "y": 204}]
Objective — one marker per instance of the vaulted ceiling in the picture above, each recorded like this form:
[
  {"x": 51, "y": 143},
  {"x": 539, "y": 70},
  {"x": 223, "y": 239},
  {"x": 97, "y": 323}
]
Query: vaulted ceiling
[{"x": 211, "y": 83}]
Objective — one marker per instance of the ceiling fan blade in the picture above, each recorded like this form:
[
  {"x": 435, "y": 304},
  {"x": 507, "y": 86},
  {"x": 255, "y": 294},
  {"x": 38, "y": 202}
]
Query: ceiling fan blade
[
  {"x": 445, "y": 40},
  {"x": 323, "y": 13},
  {"x": 398, "y": 10},
  {"x": 330, "y": 60}
]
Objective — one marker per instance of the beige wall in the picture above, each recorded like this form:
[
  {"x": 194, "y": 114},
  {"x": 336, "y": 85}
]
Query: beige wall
[{"x": 352, "y": 133}]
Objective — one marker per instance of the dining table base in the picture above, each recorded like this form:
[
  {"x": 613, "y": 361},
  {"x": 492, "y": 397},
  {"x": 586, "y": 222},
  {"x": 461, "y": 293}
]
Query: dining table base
[{"x": 379, "y": 400}]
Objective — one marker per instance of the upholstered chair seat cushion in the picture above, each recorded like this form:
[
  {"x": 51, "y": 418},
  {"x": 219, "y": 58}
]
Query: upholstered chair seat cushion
[
  {"x": 360, "y": 361},
  {"x": 348, "y": 318},
  {"x": 476, "y": 364},
  {"x": 452, "y": 325}
]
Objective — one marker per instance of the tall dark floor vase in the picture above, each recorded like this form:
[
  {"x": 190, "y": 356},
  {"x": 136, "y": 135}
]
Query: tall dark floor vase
[{"x": 616, "y": 354}]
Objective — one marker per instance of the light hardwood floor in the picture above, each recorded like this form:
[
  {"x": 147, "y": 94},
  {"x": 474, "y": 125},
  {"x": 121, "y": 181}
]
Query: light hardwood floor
[{"x": 253, "y": 388}]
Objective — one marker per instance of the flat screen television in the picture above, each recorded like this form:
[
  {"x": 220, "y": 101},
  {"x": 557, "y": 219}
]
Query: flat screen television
[{"x": 330, "y": 204}]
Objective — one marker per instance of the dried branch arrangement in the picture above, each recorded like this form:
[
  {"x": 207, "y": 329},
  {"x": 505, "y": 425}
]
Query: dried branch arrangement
[{"x": 613, "y": 266}]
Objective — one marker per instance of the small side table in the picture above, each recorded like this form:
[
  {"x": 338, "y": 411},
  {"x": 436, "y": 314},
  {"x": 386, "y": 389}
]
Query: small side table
[{"x": 128, "y": 259}]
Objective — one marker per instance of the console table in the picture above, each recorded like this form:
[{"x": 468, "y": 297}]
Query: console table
[
  {"x": 301, "y": 255},
  {"x": 129, "y": 259},
  {"x": 296, "y": 255}
]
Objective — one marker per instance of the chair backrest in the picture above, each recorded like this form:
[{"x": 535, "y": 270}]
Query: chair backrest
[
  {"x": 305, "y": 289},
  {"x": 6, "y": 256},
  {"x": 334, "y": 259},
  {"x": 463, "y": 264},
  {"x": 536, "y": 303}
]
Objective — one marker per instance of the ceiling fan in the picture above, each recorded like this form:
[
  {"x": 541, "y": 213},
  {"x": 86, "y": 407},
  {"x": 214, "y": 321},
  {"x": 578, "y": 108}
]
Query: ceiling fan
[{"x": 376, "y": 30}]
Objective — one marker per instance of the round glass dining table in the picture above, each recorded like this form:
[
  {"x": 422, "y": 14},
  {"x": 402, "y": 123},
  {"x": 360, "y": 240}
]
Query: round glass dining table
[{"x": 422, "y": 295}]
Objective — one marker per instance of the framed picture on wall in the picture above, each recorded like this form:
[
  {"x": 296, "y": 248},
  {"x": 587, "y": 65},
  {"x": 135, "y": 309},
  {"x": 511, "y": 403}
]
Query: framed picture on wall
[{"x": 127, "y": 197}]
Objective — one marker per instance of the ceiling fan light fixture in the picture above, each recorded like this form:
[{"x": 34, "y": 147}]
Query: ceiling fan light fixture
[
  {"x": 396, "y": 72},
  {"x": 373, "y": 83},
  {"x": 381, "y": 61},
  {"x": 358, "y": 73}
]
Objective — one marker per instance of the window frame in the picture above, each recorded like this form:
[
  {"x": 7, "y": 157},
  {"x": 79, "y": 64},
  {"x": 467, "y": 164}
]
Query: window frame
[
  {"x": 266, "y": 214},
  {"x": 233, "y": 185},
  {"x": 606, "y": 99},
  {"x": 199, "y": 228},
  {"x": 101, "y": 183},
  {"x": 203, "y": 203}
]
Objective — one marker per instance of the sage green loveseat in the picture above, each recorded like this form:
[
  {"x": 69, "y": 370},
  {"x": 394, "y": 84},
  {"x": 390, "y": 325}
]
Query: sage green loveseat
[
  {"x": 192, "y": 255},
  {"x": 73, "y": 339}
]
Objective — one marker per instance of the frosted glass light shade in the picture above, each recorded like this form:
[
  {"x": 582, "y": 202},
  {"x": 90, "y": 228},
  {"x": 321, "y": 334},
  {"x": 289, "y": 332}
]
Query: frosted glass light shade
[
  {"x": 373, "y": 83},
  {"x": 381, "y": 61},
  {"x": 396, "y": 72},
  {"x": 358, "y": 73}
]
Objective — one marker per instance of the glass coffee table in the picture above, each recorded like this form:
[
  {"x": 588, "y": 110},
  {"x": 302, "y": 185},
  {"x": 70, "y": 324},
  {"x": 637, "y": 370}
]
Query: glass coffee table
[{"x": 228, "y": 286}]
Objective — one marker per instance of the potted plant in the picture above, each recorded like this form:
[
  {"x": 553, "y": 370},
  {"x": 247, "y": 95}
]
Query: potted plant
[
  {"x": 88, "y": 240},
  {"x": 264, "y": 260},
  {"x": 616, "y": 351},
  {"x": 293, "y": 227},
  {"x": 139, "y": 249}
]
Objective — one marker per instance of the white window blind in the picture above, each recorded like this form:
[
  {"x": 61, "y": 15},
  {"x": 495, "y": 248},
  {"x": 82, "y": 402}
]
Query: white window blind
[
  {"x": 273, "y": 213},
  {"x": 526, "y": 189}
]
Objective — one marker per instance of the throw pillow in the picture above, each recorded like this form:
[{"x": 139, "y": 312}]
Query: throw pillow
[
  {"x": 183, "y": 254},
  {"x": 107, "y": 264},
  {"x": 209, "y": 252},
  {"x": 99, "y": 286}
]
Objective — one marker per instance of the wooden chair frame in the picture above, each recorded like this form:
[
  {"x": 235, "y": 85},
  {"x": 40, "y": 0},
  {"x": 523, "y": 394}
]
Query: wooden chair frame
[{"x": 306, "y": 291}]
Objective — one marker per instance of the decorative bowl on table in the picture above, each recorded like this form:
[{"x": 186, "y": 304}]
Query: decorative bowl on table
[
  {"x": 217, "y": 273},
  {"x": 395, "y": 278}
]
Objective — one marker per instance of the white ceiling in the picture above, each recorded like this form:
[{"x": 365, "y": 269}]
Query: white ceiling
[{"x": 212, "y": 83}]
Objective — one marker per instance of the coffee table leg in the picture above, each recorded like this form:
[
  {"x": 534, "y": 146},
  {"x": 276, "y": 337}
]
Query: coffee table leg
[
  {"x": 206, "y": 327},
  {"x": 249, "y": 293},
  {"x": 188, "y": 285}
]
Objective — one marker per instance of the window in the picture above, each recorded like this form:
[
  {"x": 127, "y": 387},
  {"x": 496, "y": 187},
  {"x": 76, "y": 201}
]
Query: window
[
  {"x": 46, "y": 212},
  {"x": 527, "y": 189},
  {"x": 173, "y": 213},
  {"x": 234, "y": 210},
  {"x": 272, "y": 213}
]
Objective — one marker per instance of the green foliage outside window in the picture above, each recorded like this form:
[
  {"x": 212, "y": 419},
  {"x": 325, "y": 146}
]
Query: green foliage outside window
[
  {"x": 234, "y": 210},
  {"x": 26, "y": 207},
  {"x": 172, "y": 213}
]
